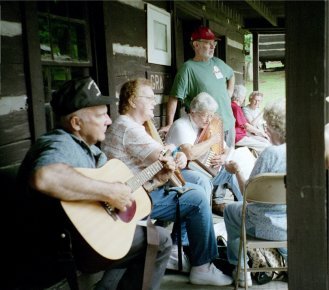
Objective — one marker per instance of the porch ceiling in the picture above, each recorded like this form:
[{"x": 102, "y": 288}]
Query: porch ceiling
[{"x": 252, "y": 15}]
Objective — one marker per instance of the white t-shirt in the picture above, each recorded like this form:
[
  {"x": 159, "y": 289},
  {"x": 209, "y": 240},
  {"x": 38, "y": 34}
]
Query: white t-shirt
[{"x": 183, "y": 131}]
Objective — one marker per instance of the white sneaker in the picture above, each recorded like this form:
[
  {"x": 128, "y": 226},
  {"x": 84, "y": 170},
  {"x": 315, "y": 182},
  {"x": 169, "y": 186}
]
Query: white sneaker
[
  {"x": 212, "y": 276},
  {"x": 241, "y": 278},
  {"x": 173, "y": 261}
]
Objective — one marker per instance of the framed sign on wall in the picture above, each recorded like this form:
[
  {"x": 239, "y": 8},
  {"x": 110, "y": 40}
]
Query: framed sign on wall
[{"x": 158, "y": 35}]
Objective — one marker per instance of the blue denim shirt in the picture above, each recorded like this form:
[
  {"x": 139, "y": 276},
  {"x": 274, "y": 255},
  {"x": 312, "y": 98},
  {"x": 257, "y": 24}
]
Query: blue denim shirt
[
  {"x": 41, "y": 218},
  {"x": 59, "y": 146}
]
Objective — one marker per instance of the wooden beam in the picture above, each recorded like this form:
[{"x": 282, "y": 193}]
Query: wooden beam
[
  {"x": 255, "y": 59},
  {"x": 34, "y": 73},
  {"x": 306, "y": 175},
  {"x": 261, "y": 8},
  {"x": 212, "y": 10}
]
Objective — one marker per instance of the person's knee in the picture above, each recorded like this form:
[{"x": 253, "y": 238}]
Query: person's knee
[
  {"x": 165, "y": 238},
  {"x": 194, "y": 191},
  {"x": 231, "y": 210}
]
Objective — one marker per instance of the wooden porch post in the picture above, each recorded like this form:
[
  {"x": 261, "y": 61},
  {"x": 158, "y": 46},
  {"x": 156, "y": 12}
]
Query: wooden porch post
[
  {"x": 255, "y": 58},
  {"x": 306, "y": 181}
]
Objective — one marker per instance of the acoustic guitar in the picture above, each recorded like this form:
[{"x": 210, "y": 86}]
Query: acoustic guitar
[{"x": 107, "y": 230}]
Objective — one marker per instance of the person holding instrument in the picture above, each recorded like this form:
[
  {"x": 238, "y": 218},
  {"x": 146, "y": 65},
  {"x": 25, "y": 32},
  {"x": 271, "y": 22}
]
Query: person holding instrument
[
  {"x": 187, "y": 130},
  {"x": 128, "y": 141},
  {"x": 48, "y": 176}
]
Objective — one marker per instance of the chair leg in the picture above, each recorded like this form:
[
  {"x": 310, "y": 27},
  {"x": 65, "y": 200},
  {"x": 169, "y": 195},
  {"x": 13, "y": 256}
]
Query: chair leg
[
  {"x": 179, "y": 238},
  {"x": 238, "y": 269},
  {"x": 245, "y": 259},
  {"x": 66, "y": 260}
]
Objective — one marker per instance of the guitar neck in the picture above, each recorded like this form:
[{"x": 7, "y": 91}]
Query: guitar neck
[
  {"x": 140, "y": 178},
  {"x": 177, "y": 178}
]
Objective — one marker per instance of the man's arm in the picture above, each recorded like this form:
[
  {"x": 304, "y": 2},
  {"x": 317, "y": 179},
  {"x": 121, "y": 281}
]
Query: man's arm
[
  {"x": 65, "y": 183},
  {"x": 233, "y": 168},
  {"x": 230, "y": 85},
  {"x": 171, "y": 110}
]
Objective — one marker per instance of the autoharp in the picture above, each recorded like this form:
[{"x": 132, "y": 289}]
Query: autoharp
[
  {"x": 177, "y": 178},
  {"x": 213, "y": 127}
]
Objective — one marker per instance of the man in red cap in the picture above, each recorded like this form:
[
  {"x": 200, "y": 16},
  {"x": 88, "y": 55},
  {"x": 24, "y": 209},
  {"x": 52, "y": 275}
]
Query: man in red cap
[{"x": 204, "y": 73}]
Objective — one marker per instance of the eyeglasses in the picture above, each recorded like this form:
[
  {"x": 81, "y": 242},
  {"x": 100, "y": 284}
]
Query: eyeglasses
[
  {"x": 205, "y": 116},
  {"x": 211, "y": 43},
  {"x": 151, "y": 98}
]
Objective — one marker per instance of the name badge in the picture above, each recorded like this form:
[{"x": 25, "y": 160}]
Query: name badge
[{"x": 218, "y": 74}]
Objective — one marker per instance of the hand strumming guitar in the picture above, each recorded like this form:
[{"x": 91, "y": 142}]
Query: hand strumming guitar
[
  {"x": 121, "y": 198},
  {"x": 169, "y": 166}
]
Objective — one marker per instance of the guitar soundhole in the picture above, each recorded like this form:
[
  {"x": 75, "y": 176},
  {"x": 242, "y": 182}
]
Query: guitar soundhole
[{"x": 127, "y": 216}]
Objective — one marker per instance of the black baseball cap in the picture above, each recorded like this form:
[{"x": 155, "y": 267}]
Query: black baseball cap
[{"x": 76, "y": 94}]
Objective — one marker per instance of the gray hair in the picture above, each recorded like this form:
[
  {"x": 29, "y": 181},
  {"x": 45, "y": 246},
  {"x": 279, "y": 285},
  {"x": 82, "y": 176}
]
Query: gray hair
[
  {"x": 203, "y": 102},
  {"x": 254, "y": 94},
  {"x": 275, "y": 117},
  {"x": 239, "y": 93}
]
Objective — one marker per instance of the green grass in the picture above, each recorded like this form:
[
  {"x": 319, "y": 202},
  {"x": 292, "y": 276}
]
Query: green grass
[{"x": 271, "y": 84}]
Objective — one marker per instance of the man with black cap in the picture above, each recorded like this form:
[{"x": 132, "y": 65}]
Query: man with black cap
[
  {"x": 205, "y": 73},
  {"x": 47, "y": 175}
]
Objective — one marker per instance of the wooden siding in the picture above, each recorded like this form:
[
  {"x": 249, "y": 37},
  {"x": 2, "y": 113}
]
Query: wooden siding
[
  {"x": 126, "y": 40},
  {"x": 12, "y": 70},
  {"x": 14, "y": 125},
  {"x": 271, "y": 47}
]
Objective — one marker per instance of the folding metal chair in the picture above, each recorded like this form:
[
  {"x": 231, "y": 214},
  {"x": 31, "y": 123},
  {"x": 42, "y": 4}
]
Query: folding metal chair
[{"x": 266, "y": 188}]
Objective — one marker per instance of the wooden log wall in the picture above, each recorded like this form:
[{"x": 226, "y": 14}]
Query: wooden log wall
[
  {"x": 126, "y": 40},
  {"x": 15, "y": 136},
  {"x": 125, "y": 30}
]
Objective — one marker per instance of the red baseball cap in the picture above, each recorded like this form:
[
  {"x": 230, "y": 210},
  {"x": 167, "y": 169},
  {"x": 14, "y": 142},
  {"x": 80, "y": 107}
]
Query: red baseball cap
[{"x": 203, "y": 32}]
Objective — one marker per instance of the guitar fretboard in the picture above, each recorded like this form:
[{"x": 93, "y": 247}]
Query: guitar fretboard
[{"x": 143, "y": 176}]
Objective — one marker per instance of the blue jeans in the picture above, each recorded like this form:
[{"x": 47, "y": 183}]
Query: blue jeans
[
  {"x": 197, "y": 177},
  {"x": 220, "y": 179},
  {"x": 195, "y": 213},
  {"x": 232, "y": 219}
]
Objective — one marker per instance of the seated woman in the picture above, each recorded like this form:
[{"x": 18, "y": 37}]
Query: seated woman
[
  {"x": 254, "y": 114},
  {"x": 184, "y": 133},
  {"x": 256, "y": 140},
  {"x": 128, "y": 141},
  {"x": 262, "y": 221}
]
